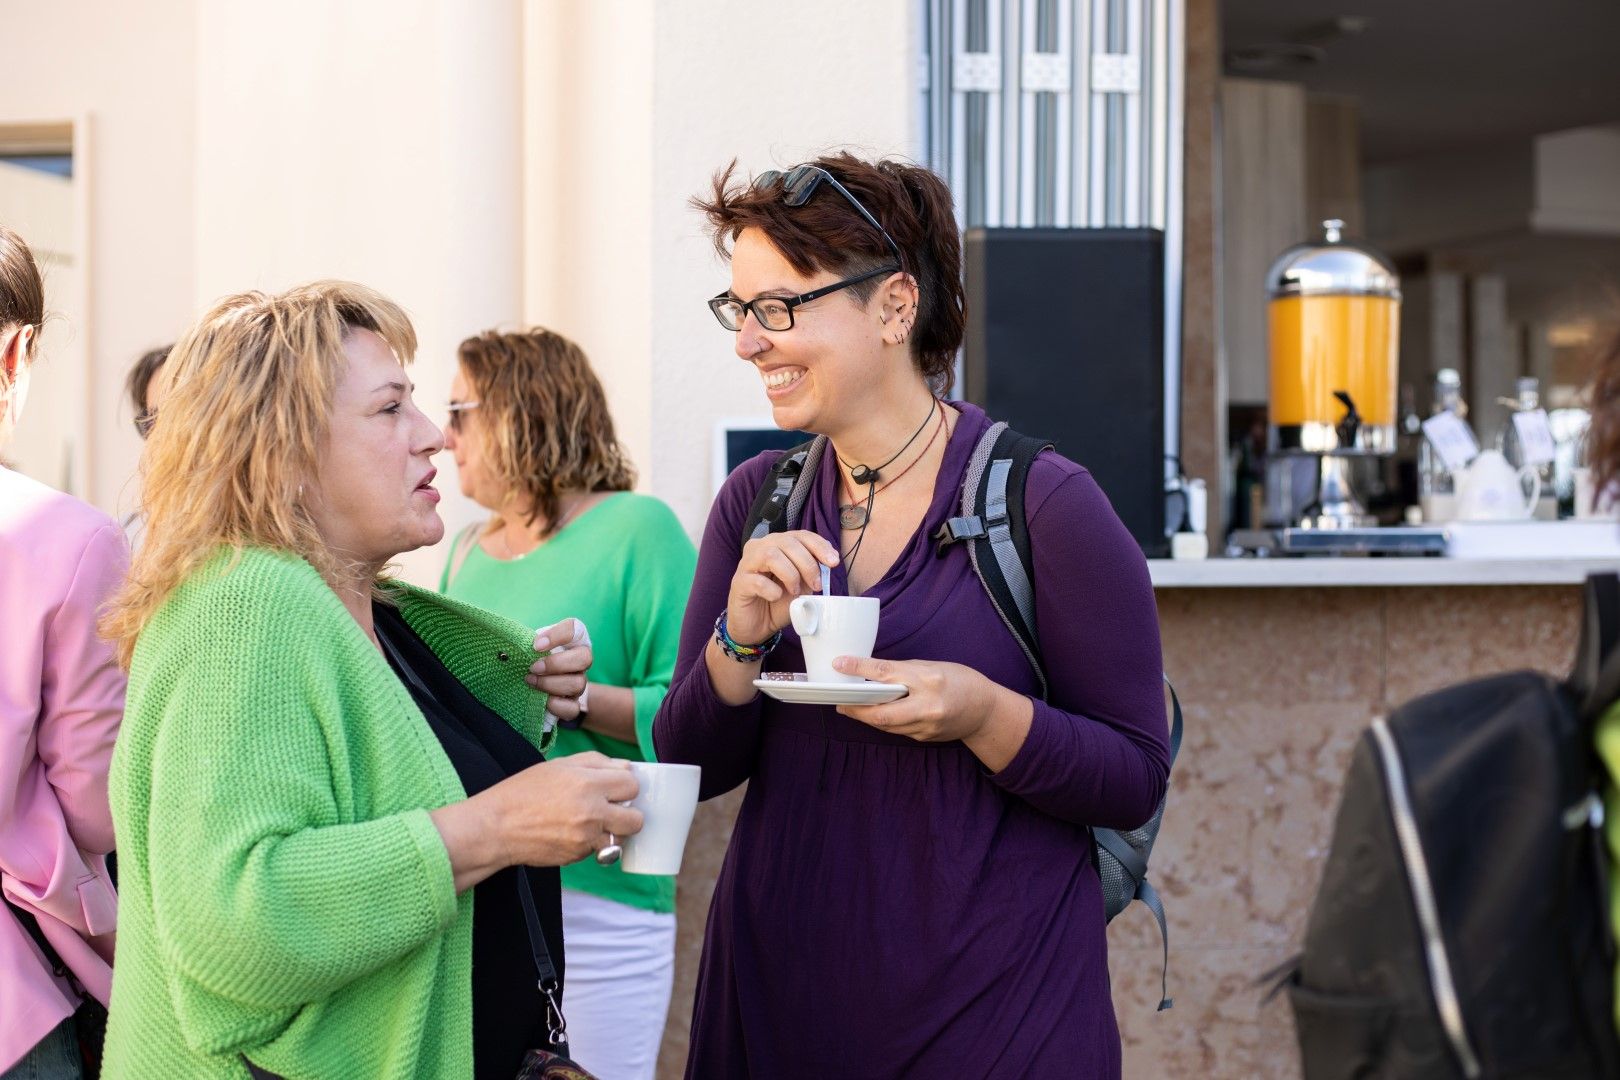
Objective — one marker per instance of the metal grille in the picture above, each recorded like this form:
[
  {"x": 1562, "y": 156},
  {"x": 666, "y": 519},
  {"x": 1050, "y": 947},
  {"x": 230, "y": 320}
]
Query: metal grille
[
  {"x": 1062, "y": 113},
  {"x": 1051, "y": 112}
]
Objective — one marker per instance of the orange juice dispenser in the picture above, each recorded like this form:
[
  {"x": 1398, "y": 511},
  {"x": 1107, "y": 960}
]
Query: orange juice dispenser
[{"x": 1334, "y": 315}]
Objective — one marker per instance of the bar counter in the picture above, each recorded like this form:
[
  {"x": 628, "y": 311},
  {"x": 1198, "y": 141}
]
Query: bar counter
[{"x": 1280, "y": 664}]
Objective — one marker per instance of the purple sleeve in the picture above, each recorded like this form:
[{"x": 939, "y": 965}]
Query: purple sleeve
[
  {"x": 1098, "y": 748},
  {"x": 693, "y": 726}
]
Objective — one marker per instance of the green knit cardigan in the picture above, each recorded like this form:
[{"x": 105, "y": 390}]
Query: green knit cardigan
[{"x": 284, "y": 893}]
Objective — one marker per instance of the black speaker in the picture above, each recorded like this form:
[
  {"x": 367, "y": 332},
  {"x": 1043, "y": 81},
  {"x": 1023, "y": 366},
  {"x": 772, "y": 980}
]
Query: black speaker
[{"x": 1065, "y": 341}]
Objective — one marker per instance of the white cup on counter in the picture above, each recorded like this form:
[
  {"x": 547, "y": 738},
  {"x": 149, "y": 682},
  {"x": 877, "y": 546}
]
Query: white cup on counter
[{"x": 1587, "y": 503}]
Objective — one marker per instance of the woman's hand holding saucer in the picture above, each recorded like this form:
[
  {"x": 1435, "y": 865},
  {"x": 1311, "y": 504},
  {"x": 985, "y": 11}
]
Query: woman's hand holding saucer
[
  {"x": 945, "y": 702},
  {"x": 772, "y": 571}
]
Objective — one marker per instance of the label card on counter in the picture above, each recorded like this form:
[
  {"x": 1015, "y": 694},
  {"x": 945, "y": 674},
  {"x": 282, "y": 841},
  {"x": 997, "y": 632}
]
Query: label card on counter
[
  {"x": 1536, "y": 445},
  {"x": 1451, "y": 438}
]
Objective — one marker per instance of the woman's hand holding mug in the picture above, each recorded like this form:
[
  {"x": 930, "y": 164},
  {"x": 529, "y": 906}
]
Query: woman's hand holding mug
[{"x": 551, "y": 814}]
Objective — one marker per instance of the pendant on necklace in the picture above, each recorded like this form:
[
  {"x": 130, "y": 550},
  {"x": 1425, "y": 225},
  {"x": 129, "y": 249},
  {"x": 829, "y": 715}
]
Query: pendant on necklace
[{"x": 853, "y": 517}]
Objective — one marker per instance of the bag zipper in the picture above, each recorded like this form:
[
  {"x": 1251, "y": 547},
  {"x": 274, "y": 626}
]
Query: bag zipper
[{"x": 1417, "y": 876}]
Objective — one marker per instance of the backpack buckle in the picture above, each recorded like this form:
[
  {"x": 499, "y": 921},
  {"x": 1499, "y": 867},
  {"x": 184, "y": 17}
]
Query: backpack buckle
[{"x": 956, "y": 529}]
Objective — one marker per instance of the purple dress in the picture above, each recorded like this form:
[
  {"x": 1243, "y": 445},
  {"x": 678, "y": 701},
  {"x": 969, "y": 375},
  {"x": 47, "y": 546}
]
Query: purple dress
[{"x": 888, "y": 908}]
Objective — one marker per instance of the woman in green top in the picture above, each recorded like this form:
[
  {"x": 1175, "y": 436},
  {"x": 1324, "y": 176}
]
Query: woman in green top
[
  {"x": 534, "y": 444},
  {"x": 320, "y": 770}
]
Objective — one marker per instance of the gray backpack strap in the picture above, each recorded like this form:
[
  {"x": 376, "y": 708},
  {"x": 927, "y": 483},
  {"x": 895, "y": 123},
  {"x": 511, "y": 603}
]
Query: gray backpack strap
[
  {"x": 999, "y": 531},
  {"x": 1132, "y": 859},
  {"x": 801, "y": 489},
  {"x": 991, "y": 522}
]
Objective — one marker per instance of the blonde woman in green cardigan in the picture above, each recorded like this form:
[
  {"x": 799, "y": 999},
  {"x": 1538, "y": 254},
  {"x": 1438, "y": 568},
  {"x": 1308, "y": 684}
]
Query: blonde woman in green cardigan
[
  {"x": 328, "y": 793},
  {"x": 534, "y": 444}
]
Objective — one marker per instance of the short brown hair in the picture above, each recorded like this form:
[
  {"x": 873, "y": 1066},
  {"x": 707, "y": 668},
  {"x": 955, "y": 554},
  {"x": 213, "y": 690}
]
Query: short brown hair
[
  {"x": 828, "y": 235},
  {"x": 22, "y": 292},
  {"x": 545, "y": 418}
]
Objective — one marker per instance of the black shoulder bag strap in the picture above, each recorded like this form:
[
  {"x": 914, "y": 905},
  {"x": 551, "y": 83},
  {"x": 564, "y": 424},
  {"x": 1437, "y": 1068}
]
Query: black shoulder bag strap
[
  {"x": 550, "y": 984},
  {"x": 781, "y": 497}
]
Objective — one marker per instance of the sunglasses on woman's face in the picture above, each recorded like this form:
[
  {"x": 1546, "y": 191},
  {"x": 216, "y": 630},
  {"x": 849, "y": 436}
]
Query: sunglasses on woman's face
[{"x": 456, "y": 408}]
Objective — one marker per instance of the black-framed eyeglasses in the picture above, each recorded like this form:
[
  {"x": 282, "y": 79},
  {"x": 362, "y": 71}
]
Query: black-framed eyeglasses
[
  {"x": 801, "y": 181},
  {"x": 776, "y": 312}
]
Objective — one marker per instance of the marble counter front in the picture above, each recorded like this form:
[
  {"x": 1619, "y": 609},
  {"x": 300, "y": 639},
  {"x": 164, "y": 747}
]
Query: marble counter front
[
  {"x": 1362, "y": 571},
  {"x": 1280, "y": 668},
  {"x": 1278, "y": 682}
]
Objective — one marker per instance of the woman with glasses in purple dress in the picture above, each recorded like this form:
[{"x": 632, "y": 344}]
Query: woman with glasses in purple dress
[{"x": 910, "y": 888}]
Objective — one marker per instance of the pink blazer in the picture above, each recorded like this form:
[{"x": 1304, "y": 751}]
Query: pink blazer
[{"x": 61, "y": 700}]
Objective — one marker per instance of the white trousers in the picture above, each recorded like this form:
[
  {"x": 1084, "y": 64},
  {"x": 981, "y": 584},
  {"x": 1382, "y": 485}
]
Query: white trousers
[{"x": 620, "y": 973}]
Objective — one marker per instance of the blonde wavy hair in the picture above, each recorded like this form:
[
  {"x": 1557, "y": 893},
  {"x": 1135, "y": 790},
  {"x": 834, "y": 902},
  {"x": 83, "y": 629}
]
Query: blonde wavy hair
[
  {"x": 544, "y": 419},
  {"x": 247, "y": 409}
]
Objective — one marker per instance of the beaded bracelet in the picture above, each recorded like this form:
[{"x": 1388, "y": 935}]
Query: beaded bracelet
[{"x": 743, "y": 654}]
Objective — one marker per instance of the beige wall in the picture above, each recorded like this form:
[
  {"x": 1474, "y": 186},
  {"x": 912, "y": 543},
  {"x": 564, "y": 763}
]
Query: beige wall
[
  {"x": 50, "y": 442},
  {"x": 492, "y": 164},
  {"x": 844, "y": 78},
  {"x": 587, "y": 134},
  {"x": 629, "y": 107},
  {"x": 376, "y": 140},
  {"x": 131, "y": 70}
]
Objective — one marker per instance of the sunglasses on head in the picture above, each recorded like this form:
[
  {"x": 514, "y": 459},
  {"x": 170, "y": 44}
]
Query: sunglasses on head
[
  {"x": 776, "y": 312},
  {"x": 801, "y": 181}
]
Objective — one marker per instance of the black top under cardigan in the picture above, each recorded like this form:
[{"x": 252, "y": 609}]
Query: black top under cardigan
[{"x": 507, "y": 1006}]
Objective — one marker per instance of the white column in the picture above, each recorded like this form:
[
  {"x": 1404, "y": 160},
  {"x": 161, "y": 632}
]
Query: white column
[
  {"x": 375, "y": 140},
  {"x": 844, "y": 78}
]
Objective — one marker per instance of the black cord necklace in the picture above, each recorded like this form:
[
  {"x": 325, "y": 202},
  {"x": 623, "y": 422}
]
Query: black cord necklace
[{"x": 854, "y": 516}]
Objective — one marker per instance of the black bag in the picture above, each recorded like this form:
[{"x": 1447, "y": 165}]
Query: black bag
[
  {"x": 550, "y": 1062},
  {"x": 90, "y": 1019},
  {"x": 1462, "y": 924},
  {"x": 995, "y": 529}
]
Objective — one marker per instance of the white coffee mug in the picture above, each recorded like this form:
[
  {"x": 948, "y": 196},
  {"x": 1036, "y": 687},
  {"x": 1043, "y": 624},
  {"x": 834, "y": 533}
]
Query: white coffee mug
[
  {"x": 1588, "y": 503},
  {"x": 667, "y": 800},
  {"x": 1490, "y": 489},
  {"x": 834, "y": 626}
]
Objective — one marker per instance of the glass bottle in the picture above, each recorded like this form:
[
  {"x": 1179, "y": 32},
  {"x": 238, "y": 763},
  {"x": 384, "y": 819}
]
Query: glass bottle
[
  {"x": 1527, "y": 398},
  {"x": 1437, "y": 490}
]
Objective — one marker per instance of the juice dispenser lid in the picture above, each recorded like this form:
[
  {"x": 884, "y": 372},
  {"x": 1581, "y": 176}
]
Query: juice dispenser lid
[{"x": 1332, "y": 268}]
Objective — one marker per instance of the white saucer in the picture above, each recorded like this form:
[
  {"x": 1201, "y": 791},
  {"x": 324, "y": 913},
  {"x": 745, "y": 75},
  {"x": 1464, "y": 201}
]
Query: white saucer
[{"x": 798, "y": 690}]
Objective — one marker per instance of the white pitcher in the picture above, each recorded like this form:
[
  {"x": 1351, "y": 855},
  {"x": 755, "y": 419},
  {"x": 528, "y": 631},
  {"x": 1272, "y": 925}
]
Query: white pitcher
[{"x": 1490, "y": 489}]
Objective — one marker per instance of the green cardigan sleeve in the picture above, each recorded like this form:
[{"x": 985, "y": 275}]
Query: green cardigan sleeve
[{"x": 270, "y": 888}]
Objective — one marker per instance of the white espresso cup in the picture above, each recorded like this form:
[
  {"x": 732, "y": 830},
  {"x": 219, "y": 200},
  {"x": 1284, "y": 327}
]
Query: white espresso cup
[
  {"x": 667, "y": 800},
  {"x": 833, "y": 626}
]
